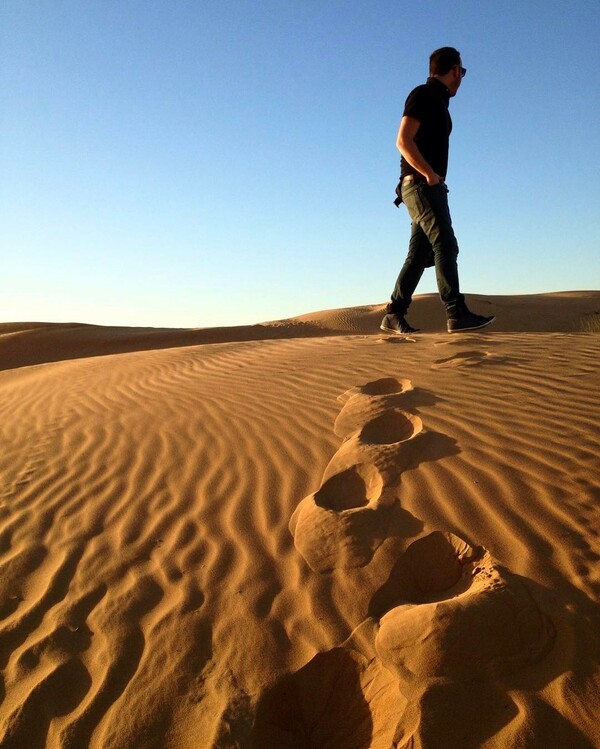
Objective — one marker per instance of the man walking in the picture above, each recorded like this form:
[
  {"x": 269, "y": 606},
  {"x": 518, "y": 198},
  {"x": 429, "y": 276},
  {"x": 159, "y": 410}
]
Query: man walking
[{"x": 423, "y": 141}]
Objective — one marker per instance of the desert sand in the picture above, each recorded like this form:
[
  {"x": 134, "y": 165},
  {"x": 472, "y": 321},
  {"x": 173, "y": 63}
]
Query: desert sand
[{"x": 303, "y": 534}]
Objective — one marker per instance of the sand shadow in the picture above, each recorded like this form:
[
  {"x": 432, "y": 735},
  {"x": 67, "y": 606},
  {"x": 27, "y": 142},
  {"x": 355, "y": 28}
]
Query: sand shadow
[
  {"x": 429, "y": 564},
  {"x": 344, "y": 521},
  {"x": 322, "y": 704},
  {"x": 57, "y": 694}
]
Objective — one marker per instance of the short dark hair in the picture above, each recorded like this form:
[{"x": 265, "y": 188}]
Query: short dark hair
[{"x": 443, "y": 60}]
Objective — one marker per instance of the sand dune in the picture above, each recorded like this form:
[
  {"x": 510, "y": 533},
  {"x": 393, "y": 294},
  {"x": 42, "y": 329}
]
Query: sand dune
[
  {"x": 25, "y": 344},
  {"x": 303, "y": 533}
]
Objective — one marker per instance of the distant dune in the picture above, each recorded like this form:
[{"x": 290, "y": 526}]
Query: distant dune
[
  {"x": 23, "y": 344},
  {"x": 303, "y": 533}
]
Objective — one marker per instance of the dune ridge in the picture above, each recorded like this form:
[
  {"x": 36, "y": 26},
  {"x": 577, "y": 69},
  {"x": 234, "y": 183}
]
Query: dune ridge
[
  {"x": 157, "y": 588},
  {"x": 29, "y": 343}
]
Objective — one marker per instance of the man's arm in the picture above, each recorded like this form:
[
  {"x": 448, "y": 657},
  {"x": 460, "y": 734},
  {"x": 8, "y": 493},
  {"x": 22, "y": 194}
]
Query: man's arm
[{"x": 409, "y": 127}]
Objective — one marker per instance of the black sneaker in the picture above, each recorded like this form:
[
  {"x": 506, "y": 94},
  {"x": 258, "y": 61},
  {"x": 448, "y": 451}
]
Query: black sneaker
[
  {"x": 393, "y": 323},
  {"x": 469, "y": 321}
]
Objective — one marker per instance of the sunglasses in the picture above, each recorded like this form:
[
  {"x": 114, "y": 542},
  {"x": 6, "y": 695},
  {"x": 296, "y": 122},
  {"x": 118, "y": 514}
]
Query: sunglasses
[{"x": 463, "y": 71}]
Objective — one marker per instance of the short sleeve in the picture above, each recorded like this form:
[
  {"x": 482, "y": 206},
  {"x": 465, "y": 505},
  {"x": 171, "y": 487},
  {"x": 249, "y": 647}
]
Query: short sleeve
[{"x": 417, "y": 104}]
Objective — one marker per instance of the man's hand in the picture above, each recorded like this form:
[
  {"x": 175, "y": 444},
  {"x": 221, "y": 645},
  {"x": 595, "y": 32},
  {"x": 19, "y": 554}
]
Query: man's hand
[{"x": 433, "y": 179}]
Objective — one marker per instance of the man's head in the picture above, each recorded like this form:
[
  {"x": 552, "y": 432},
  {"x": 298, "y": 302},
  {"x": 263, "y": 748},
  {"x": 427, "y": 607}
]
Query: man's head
[{"x": 446, "y": 65}]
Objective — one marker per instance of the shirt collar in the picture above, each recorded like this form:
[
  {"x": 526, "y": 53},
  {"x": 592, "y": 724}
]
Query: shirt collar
[{"x": 438, "y": 85}]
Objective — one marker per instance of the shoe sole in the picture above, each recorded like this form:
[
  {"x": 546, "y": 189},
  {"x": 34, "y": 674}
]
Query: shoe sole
[
  {"x": 397, "y": 332},
  {"x": 474, "y": 327}
]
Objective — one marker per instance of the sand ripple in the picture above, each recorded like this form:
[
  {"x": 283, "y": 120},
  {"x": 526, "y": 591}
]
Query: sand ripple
[{"x": 151, "y": 593}]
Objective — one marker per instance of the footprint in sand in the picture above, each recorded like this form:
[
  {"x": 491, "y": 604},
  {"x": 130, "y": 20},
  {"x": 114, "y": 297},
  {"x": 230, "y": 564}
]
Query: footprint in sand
[
  {"x": 480, "y": 633},
  {"x": 467, "y": 359},
  {"x": 465, "y": 339},
  {"x": 374, "y": 413},
  {"x": 454, "y": 653},
  {"x": 347, "y": 518},
  {"x": 383, "y": 386},
  {"x": 486, "y": 626},
  {"x": 343, "y": 522},
  {"x": 450, "y": 615},
  {"x": 396, "y": 339}
]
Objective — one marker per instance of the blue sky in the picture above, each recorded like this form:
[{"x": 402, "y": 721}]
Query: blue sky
[{"x": 189, "y": 164}]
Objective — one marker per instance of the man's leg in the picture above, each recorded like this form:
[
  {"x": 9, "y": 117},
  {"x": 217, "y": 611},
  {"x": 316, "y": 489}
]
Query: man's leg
[
  {"x": 429, "y": 208},
  {"x": 419, "y": 251},
  {"x": 419, "y": 248},
  {"x": 434, "y": 219},
  {"x": 429, "y": 211}
]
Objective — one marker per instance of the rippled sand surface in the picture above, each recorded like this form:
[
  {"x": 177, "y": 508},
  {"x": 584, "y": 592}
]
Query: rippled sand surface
[{"x": 315, "y": 535}]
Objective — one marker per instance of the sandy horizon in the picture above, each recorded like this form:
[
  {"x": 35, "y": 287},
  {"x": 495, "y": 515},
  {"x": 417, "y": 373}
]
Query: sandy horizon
[{"x": 303, "y": 533}]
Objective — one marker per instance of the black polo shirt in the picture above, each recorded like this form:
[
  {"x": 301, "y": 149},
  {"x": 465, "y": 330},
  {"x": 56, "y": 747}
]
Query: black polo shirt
[{"x": 428, "y": 103}]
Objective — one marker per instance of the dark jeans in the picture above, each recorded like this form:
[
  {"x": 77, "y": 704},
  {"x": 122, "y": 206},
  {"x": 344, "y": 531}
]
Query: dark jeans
[{"x": 431, "y": 230}]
